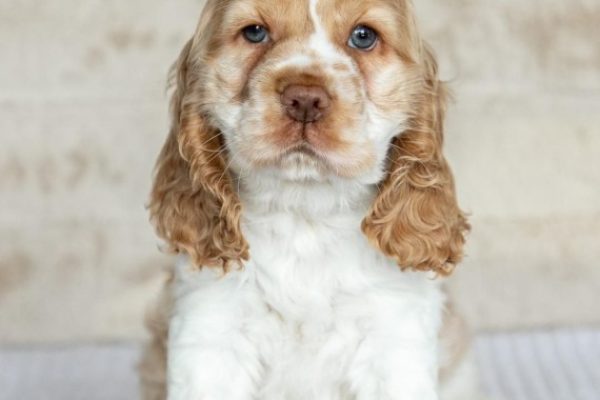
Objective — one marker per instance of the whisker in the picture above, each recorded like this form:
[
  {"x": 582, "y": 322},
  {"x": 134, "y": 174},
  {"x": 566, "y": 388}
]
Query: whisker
[
  {"x": 217, "y": 153},
  {"x": 226, "y": 169}
]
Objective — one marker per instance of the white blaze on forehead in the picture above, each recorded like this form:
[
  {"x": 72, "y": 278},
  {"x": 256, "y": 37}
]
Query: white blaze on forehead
[
  {"x": 320, "y": 42},
  {"x": 318, "y": 49},
  {"x": 314, "y": 16}
]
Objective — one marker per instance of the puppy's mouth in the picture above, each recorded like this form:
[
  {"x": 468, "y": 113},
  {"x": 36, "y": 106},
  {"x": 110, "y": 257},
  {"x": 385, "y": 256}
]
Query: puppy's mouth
[
  {"x": 306, "y": 154},
  {"x": 307, "y": 138},
  {"x": 308, "y": 146},
  {"x": 304, "y": 148},
  {"x": 293, "y": 137}
]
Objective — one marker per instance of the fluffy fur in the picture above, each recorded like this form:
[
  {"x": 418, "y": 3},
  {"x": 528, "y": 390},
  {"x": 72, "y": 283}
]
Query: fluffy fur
[{"x": 309, "y": 252}]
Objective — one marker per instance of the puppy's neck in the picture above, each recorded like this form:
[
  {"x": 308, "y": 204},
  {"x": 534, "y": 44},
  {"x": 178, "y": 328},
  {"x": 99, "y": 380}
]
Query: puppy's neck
[{"x": 310, "y": 199}]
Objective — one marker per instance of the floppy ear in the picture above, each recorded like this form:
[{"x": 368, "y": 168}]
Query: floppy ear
[
  {"x": 416, "y": 219},
  {"x": 193, "y": 205}
]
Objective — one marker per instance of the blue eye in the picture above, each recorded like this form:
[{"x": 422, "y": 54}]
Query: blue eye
[
  {"x": 363, "y": 38},
  {"x": 256, "y": 33}
]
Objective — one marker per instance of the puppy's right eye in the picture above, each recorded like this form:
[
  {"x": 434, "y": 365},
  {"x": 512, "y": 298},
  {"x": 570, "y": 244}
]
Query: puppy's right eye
[
  {"x": 256, "y": 34},
  {"x": 363, "y": 38}
]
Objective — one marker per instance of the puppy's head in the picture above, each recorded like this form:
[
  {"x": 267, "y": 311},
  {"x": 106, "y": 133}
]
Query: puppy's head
[{"x": 308, "y": 90}]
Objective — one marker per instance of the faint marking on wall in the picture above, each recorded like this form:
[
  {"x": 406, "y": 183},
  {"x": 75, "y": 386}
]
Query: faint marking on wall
[
  {"x": 47, "y": 174},
  {"x": 124, "y": 39},
  {"x": 146, "y": 271},
  {"x": 565, "y": 38},
  {"x": 65, "y": 171},
  {"x": 80, "y": 164},
  {"x": 94, "y": 57},
  {"x": 15, "y": 270},
  {"x": 12, "y": 172}
]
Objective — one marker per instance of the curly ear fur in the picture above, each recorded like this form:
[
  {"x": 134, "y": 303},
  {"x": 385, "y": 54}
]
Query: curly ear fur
[
  {"x": 193, "y": 205},
  {"x": 416, "y": 219}
]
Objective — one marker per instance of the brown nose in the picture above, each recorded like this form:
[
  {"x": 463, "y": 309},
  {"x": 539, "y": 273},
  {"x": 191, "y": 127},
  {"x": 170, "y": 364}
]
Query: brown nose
[{"x": 305, "y": 103}]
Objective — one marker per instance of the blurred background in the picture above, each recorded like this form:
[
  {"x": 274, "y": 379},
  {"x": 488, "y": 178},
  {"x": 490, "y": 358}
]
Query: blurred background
[{"x": 83, "y": 114}]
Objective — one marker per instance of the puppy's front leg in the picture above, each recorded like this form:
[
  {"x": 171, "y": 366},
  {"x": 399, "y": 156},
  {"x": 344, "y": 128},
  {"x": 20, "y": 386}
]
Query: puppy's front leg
[
  {"x": 398, "y": 357},
  {"x": 404, "y": 371},
  {"x": 211, "y": 353}
]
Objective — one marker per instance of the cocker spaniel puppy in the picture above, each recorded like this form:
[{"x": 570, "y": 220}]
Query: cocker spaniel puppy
[{"x": 304, "y": 186}]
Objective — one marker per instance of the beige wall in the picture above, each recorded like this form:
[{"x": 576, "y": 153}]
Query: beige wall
[{"x": 83, "y": 115}]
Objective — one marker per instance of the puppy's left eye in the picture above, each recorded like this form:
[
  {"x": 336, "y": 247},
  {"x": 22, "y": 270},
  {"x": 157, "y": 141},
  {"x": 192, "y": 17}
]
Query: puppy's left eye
[
  {"x": 363, "y": 38},
  {"x": 256, "y": 34}
]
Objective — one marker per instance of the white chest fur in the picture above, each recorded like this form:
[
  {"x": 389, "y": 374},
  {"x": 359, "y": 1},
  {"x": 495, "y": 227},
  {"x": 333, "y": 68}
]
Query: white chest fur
[{"x": 317, "y": 313}]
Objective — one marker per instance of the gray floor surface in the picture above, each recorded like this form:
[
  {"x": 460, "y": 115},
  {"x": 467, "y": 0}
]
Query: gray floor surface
[{"x": 552, "y": 365}]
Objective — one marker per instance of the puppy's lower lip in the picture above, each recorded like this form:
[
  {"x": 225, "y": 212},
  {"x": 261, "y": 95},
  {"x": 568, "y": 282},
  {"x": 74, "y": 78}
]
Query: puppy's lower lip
[
  {"x": 309, "y": 151},
  {"x": 304, "y": 148}
]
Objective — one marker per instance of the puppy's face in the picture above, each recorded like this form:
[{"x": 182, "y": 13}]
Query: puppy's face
[{"x": 310, "y": 88}]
